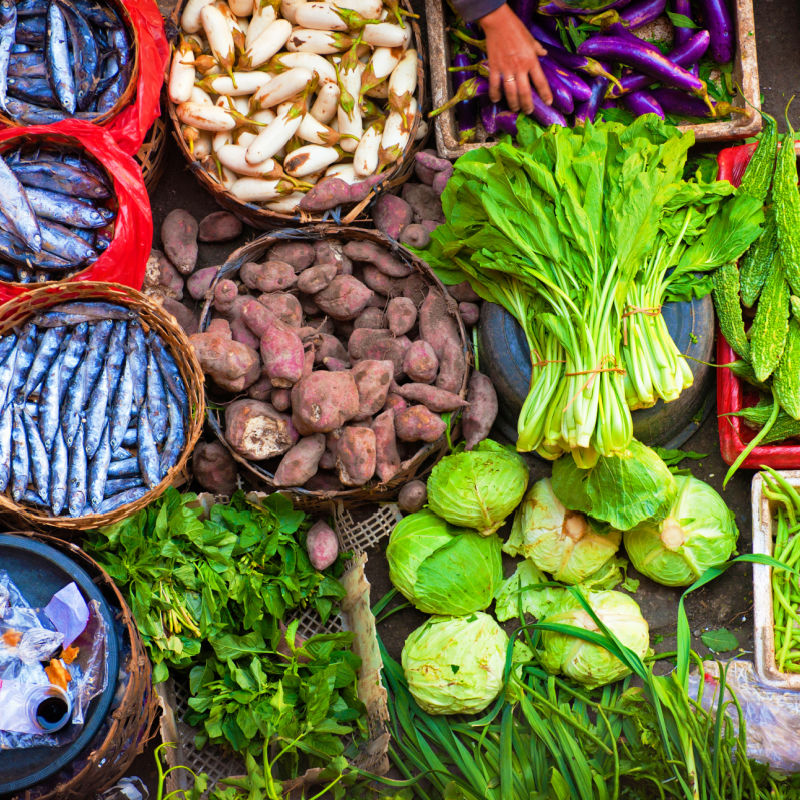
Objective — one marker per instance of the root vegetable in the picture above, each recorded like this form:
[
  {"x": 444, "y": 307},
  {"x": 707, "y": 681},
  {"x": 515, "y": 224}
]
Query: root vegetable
[
  {"x": 261, "y": 390},
  {"x": 333, "y": 191},
  {"x": 412, "y": 497},
  {"x": 463, "y": 293},
  {"x": 395, "y": 403},
  {"x": 430, "y": 225},
  {"x": 415, "y": 235},
  {"x": 470, "y": 313},
  {"x": 321, "y": 324},
  {"x": 161, "y": 278},
  {"x": 272, "y": 276},
  {"x": 334, "y": 364},
  {"x": 328, "y": 460},
  {"x": 370, "y": 318},
  {"x": 257, "y": 431},
  {"x": 377, "y": 256},
  {"x": 415, "y": 288},
  {"x": 421, "y": 363},
  {"x": 225, "y": 293},
  {"x": 380, "y": 282},
  {"x": 179, "y": 237},
  {"x": 326, "y": 346},
  {"x": 437, "y": 400},
  {"x": 401, "y": 315},
  {"x": 214, "y": 468},
  {"x": 220, "y": 226},
  {"x": 324, "y": 401},
  {"x": 327, "y": 251},
  {"x": 184, "y": 316},
  {"x": 299, "y": 254},
  {"x": 387, "y": 458},
  {"x": 200, "y": 282},
  {"x": 281, "y": 352},
  {"x": 286, "y": 307},
  {"x": 440, "y": 182},
  {"x": 373, "y": 379},
  {"x": 439, "y": 329},
  {"x": 478, "y": 419},
  {"x": 356, "y": 456},
  {"x": 233, "y": 366},
  {"x": 362, "y": 338},
  {"x": 281, "y": 399},
  {"x": 428, "y": 160},
  {"x": 391, "y": 215},
  {"x": 419, "y": 424},
  {"x": 344, "y": 298},
  {"x": 322, "y": 545},
  {"x": 424, "y": 201},
  {"x": 315, "y": 279},
  {"x": 301, "y": 462}
]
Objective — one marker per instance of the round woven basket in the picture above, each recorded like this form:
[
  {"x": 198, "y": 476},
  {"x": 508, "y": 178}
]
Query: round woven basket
[
  {"x": 130, "y": 89},
  {"x": 15, "y": 313},
  {"x": 151, "y": 154},
  {"x": 428, "y": 454},
  {"x": 264, "y": 218},
  {"x": 129, "y": 724}
]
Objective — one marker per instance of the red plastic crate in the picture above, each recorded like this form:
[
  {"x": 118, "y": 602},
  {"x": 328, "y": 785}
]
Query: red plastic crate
[{"x": 733, "y": 394}]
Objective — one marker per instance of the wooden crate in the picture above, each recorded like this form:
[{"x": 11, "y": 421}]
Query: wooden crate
[{"x": 745, "y": 75}]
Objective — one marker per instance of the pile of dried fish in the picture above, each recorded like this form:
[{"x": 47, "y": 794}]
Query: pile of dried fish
[
  {"x": 94, "y": 410},
  {"x": 62, "y": 58},
  {"x": 54, "y": 213}
]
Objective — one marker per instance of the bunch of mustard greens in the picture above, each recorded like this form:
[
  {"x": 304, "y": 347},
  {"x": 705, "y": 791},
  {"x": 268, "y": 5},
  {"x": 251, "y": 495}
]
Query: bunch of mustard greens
[{"x": 582, "y": 234}]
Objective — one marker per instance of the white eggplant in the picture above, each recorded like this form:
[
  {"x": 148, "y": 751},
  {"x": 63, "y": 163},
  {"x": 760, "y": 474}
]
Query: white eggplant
[
  {"x": 241, "y": 104},
  {"x": 381, "y": 65},
  {"x": 228, "y": 178},
  {"x": 320, "y": 17},
  {"x": 385, "y": 34},
  {"x": 201, "y": 97},
  {"x": 198, "y": 142},
  {"x": 422, "y": 130},
  {"x": 397, "y": 132},
  {"x": 267, "y": 44},
  {"x": 258, "y": 190},
  {"x": 327, "y": 102},
  {"x": 243, "y": 138},
  {"x": 365, "y": 158},
  {"x": 190, "y": 19},
  {"x": 369, "y": 9},
  {"x": 345, "y": 172},
  {"x": 240, "y": 85},
  {"x": 181, "y": 74},
  {"x": 232, "y": 156},
  {"x": 262, "y": 18},
  {"x": 289, "y": 9},
  {"x": 205, "y": 117},
  {"x": 316, "y": 132},
  {"x": 309, "y": 159},
  {"x": 275, "y": 136},
  {"x": 242, "y": 8},
  {"x": 281, "y": 88},
  {"x": 403, "y": 82},
  {"x": 263, "y": 117},
  {"x": 219, "y": 36},
  {"x": 310, "y": 61},
  {"x": 286, "y": 204},
  {"x": 221, "y": 139},
  {"x": 379, "y": 92},
  {"x": 351, "y": 125},
  {"x": 306, "y": 40}
]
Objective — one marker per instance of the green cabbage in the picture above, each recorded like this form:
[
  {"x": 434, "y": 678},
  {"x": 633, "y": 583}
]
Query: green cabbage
[
  {"x": 478, "y": 488},
  {"x": 442, "y": 569},
  {"x": 586, "y": 663},
  {"x": 565, "y": 544},
  {"x": 454, "y": 665},
  {"x": 699, "y": 532}
]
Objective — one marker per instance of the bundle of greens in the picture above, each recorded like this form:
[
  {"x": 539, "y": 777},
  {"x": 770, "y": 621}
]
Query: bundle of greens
[{"x": 582, "y": 235}]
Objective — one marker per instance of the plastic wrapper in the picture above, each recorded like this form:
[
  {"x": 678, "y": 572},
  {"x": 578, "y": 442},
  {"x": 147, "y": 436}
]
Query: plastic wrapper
[
  {"x": 772, "y": 715},
  {"x": 20, "y": 667},
  {"x": 125, "y": 258}
]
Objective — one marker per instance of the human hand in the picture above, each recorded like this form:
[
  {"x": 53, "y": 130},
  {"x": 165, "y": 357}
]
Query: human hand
[{"x": 513, "y": 56}]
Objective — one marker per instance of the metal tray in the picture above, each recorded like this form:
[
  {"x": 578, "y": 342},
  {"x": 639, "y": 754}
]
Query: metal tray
[
  {"x": 745, "y": 75},
  {"x": 764, "y": 634}
]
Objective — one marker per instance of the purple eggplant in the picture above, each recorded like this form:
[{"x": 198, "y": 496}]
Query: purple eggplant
[
  {"x": 466, "y": 112},
  {"x": 587, "y": 110},
  {"x": 562, "y": 96},
  {"x": 544, "y": 114},
  {"x": 640, "y": 103},
  {"x": 524, "y": 9},
  {"x": 489, "y": 112},
  {"x": 507, "y": 122},
  {"x": 684, "y": 8},
  {"x": 473, "y": 87},
  {"x": 674, "y": 101},
  {"x": 717, "y": 17},
  {"x": 642, "y": 13},
  {"x": 559, "y": 7},
  {"x": 621, "y": 32},
  {"x": 578, "y": 87},
  {"x": 684, "y": 55}
]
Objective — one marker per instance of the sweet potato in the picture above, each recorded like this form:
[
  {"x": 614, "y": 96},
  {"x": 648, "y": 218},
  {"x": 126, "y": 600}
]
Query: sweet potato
[
  {"x": 161, "y": 278},
  {"x": 478, "y": 419},
  {"x": 401, "y": 314},
  {"x": 257, "y": 431},
  {"x": 437, "y": 400},
  {"x": 301, "y": 462},
  {"x": 356, "y": 456},
  {"x": 281, "y": 353},
  {"x": 322, "y": 545},
  {"x": 391, "y": 214},
  {"x": 377, "y": 256},
  {"x": 308, "y": 305},
  {"x": 415, "y": 235},
  {"x": 286, "y": 307},
  {"x": 395, "y": 403},
  {"x": 431, "y": 161},
  {"x": 328, "y": 460},
  {"x": 430, "y": 225},
  {"x": 326, "y": 345},
  {"x": 415, "y": 288},
  {"x": 308, "y": 361},
  {"x": 332, "y": 192},
  {"x": 463, "y": 292},
  {"x": 299, "y": 254},
  {"x": 233, "y": 366},
  {"x": 361, "y": 339},
  {"x": 219, "y": 226},
  {"x": 370, "y": 318},
  {"x": 324, "y": 401},
  {"x": 378, "y": 345},
  {"x": 345, "y": 297},
  {"x": 198, "y": 283},
  {"x": 422, "y": 167},
  {"x": 420, "y": 363},
  {"x": 424, "y": 201},
  {"x": 240, "y": 332},
  {"x": 328, "y": 251},
  {"x": 179, "y": 237},
  {"x": 225, "y": 293},
  {"x": 321, "y": 324},
  {"x": 412, "y": 497},
  {"x": 184, "y": 316},
  {"x": 333, "y": 364},
  {"x": 281, "y": 399},
  {"x": 440, "y": 181},
  {"x": 262, "y": 390},
  {"x": 387, "y": 459},
  {"x": 439, "y": 329},
  {"x": 214, "y": 468},
  {"x": 470, "y": 313},
  {"x": 380, "y": 283},
  {"x": 316, "y": 278},
  {"x": 418, "y": 424},
  {"x": 271, "y": 276},
  {"x": 373, "y": 379}
]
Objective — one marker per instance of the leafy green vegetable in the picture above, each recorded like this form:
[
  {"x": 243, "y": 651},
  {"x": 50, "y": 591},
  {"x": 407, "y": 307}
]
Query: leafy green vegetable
[
  {"x": 720, "y": 641},
  {"x": 527, "y": 591},
  {"x": 674, "y": 457}
]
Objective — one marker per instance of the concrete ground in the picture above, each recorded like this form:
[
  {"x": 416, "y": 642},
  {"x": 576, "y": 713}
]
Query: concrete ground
[{"x": 728, "y": 601}]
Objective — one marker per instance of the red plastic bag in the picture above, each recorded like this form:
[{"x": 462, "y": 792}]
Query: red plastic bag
[{"x": 125, "y": 258}]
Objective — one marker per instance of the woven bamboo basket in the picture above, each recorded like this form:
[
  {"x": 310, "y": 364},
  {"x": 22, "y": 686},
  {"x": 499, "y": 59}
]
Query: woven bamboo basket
[
  {"x": 151, "y": 155},
  {"x": 264, "y": 218},
  {"x": 15, "y": 312},
  {"x": 428, "y": 454},
  {"x": 129, "y": 725},
  {"x": 130, "y": 90}
]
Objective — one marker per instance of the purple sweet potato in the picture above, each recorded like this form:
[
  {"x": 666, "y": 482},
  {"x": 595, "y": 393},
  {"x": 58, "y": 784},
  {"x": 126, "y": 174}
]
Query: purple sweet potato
[
  {"x": 439, "y": 329},
  {"x": 329, "y": 251},
  {"x": 179, "y": 237},
  {"x": 322, "y": 545},
  {"x": 362, "y": 338},
  {"x": 387, "y": 459},
  {"x": 333, "y": 364},
  {"x": 463, "y": 292},
  {"x": 440, "y": 181},
  {"x": 281, "y": 399},
  {"x": 418, "y": 424},
  {"x": 391, "y": 214},
  {"x": 401, "y": 314},
  {"x": 286, "y": 307},
  {"x": 262, "y": 390},
  {"x": 219, "y": 226},
  {"x": 324, "y": 401},
  {"x": 332, "y": 192},
  {"x": 430, "y": 160},
  {"x": 300, "y": 464},
  {"x": 373, "y": 379},
  {"x": 271, "y": 276},
  {"x": 345, "y": 298},
  {"x": 233, "y": 366},
  {"x": 316, "y": 278},
  {"x": 424, "y": 201},
  {"x": 281, "y": 353},
  {"x": 214, "y": 468},
  {"x": 380, "y": 283},
  {"x": 370, "y": 318},
  {"x": 470, "y": 313},
  {"x": 308, "y": 305},
  {"x": 478, "y": 419},
  {"x": 184, "y": 316},
  {"x": 257, "y": 431},
  {"x": 435, "y": 399},
  {"x": 430, "y": 225},
  {"x": 161, "y": 278},
  {"x": 420, "y": 363},
  {"x": 328, "y": 460},
  {"x": 377, "y": 256},
  {"x": 415, "y": 288},
  {"x": 240, "y": 332},
  {"x": 299, "y": 254},
  {"x": 356, "y": 456},
  {"x": 225, "y": 294},
  {"x": 326, "y": 346},
  {"x": 321, "y": 324},
  {"x": 412, "y": 497},
  {"x": 415, "y": 235},
  {"x": 395, "y": 403},
  {"x": 198, "y": 283}
]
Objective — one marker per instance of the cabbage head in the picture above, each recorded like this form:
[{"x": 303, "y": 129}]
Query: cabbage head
[
  {"x": 442, "y": 569},
  {"x": 699, "y": 532},
  {"x": 563, "y": 543},
  {"x": 583, "y": 662},
  {"x": 478, "y": 488},
  {"x": 454, "y": 665}
]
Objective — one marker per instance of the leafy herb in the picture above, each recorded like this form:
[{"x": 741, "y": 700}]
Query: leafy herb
[
  {"x": 720, "y": 641},
  {"x": 674, "y": 457},
  {"x": 681, "y": 20}
]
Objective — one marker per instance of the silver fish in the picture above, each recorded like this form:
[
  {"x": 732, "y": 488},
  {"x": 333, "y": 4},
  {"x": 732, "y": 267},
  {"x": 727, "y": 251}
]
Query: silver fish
[{"x": 76, "y": 482}]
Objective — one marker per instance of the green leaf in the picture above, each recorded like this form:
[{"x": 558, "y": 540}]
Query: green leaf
[
  {"x": 681, "y": 21},
  {"x": 720, "y": 641}
]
